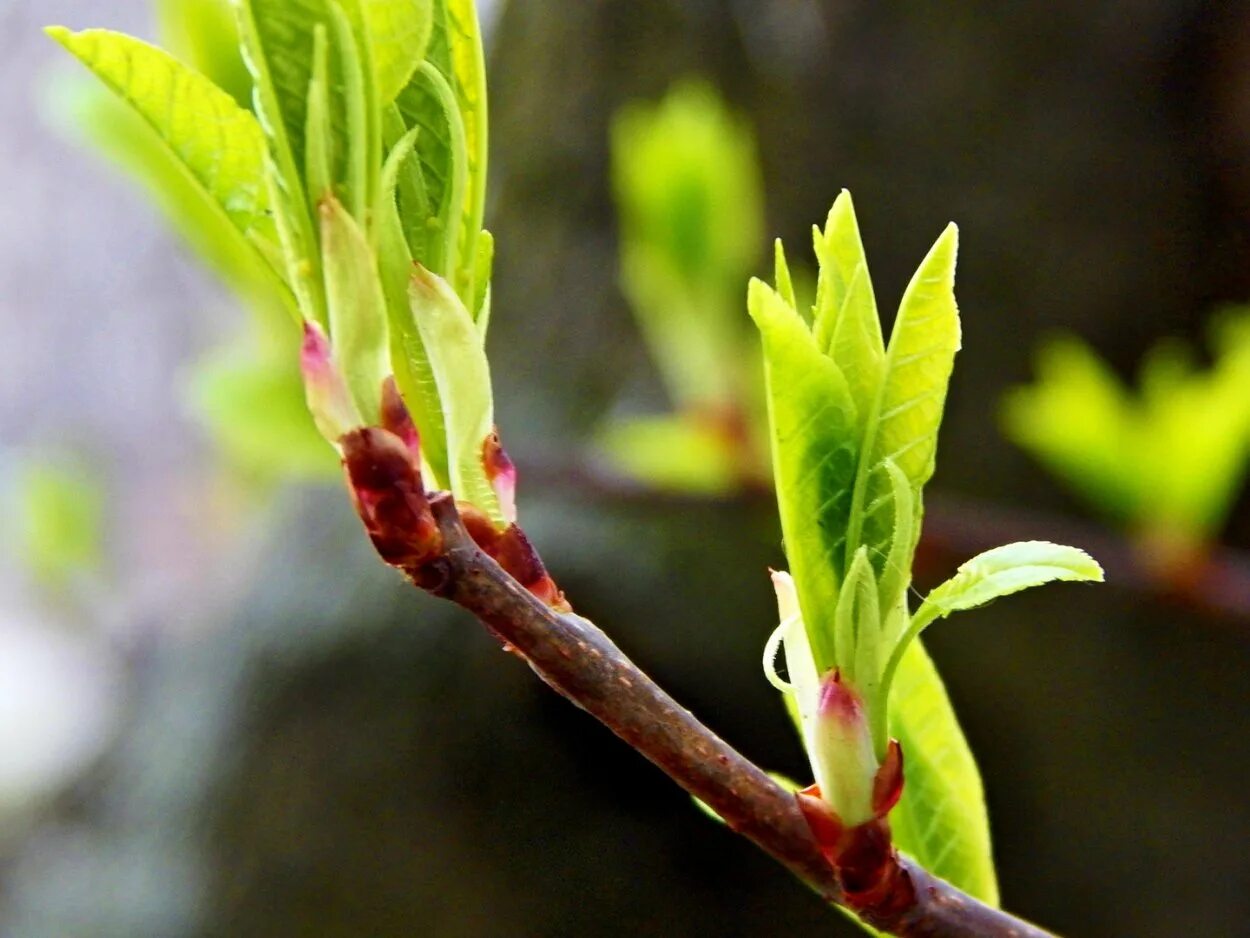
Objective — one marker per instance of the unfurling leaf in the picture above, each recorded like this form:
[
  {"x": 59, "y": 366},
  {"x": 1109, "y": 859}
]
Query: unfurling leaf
[
  {"x": 1003, "y": 571},
  {"x": 460, "y": 369}
]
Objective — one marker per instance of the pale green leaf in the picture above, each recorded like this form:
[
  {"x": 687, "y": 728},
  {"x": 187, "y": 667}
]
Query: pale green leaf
[
  {"x": 484, "y": 263},
  {"x": 318, "y": 135},
  {"x": 116, "y": 129},
  {"x": 204, "y": 34},
  {"x": 1079, "y": 421},
  {"x": 941, "y": 819},
  {"x": 812, "y": 416},
  {"x": 459, "y": 364},
  {"x": 994, "y": 573},
  {"x": 56, "y": 526},
  {"x": 411, "y": 364},
  {"x": 1006, "y": 570},
  {"x": 846, "y": 324},
  {"x": 399, "y": 32},
  {"x": 219, "y": 143},
  {"x": 357, "y": 308},
  {"x": 907, "y": 409},
  {"x": 468, "y": 71}
]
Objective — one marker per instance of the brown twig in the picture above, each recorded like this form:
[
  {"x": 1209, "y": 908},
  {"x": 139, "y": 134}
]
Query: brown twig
[{"x": 580, "y": 662}]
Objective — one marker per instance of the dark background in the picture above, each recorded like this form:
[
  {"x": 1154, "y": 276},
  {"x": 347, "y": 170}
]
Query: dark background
[{"x": 307, "y": 748}]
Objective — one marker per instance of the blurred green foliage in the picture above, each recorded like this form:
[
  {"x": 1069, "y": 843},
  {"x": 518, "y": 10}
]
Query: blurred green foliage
[
  {"x": 59, "y": 508},
  {"x": 688, "y": 187},
  {"x": 1167, "y": 462}
]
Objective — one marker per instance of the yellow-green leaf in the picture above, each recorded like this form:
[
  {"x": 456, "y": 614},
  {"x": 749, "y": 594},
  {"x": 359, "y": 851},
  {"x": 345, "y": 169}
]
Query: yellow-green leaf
[
  {"x": 813, "y": 421},
  {"x": 458, "y": 361},
  {"x": 941, "y": 819},
  {"x": 218, "y": 143},
  {"x": 906, "y": 411}
]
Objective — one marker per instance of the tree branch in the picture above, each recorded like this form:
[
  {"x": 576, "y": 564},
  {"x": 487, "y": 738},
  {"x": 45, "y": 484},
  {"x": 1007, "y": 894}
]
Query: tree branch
[{"x": 580, "y": 662}]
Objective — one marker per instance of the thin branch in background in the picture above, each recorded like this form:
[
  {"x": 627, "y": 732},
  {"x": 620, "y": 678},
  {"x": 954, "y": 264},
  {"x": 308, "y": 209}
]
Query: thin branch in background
[{"x": 957, "y": 527}]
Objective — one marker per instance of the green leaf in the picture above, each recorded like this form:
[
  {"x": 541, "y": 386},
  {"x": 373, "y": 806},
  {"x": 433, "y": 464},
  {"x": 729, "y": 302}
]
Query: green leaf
[
  {"x": 118, "y": 130},
  {"x": 941, "y": 819},
  {"x": 813, "y": 421},
  {"x": 468, "y": 74},
  {"x": 1079, "y": 421},
  {"x": 218, "y": 143},
  {"x": 906, "y": 410},
  {"x": 446, "y": 99},
  {"x": 278, "y": 43},
  {"x": 459, "y": 364},
  {"x": 318, "y": 136},
  {"x": 399, "y": 32},
  {"x": 410, "y": 363},
  {"x": 987, "y": 576},
  {"x": 204, "y": 34},
  {"x": 439, "y": 176},
  {"x": 357, "y": 308},
  {"x": 846, "y": 323},
  {"x": 1003, "y": 571}
]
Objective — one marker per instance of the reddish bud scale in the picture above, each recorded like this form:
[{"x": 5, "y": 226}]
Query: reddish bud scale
[
  {"x": 863, "y": 858},
  {"x": 384, "y": 477},
  {"x": 397, "y": 420},
  {"x": 512, "y": 550},
  {"x": 502, "y": 474}
]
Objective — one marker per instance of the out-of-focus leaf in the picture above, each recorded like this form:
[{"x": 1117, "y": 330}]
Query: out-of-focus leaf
[
  {"x": 686, "y": 179},
  {"x": 255, "y": 408},
  {"x": 60, "y": 517},
  {"x": 1168, "y": 463},
  {"x": 1077, "y": 420},
  {"x": 676, "y": 453},
  {"x": 941, "y": 819}
]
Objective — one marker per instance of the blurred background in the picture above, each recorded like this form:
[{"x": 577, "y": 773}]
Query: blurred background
[{"x": 221, "y": 715}]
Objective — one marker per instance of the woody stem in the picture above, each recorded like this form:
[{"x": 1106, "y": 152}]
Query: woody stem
[{"x": 580, "y": 662}]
